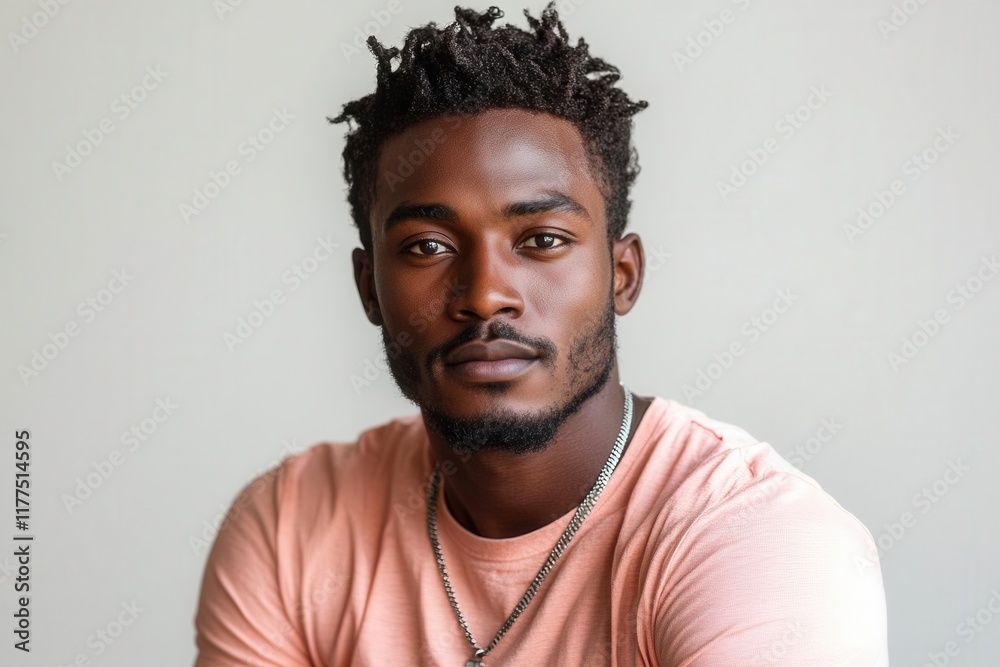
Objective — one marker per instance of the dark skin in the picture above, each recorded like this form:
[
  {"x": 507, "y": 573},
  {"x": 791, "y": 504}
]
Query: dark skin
[{"x": 547, "y": 273}]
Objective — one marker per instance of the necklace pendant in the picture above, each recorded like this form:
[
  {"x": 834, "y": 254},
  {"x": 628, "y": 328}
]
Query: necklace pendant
[{"x": 474, "y": 663}]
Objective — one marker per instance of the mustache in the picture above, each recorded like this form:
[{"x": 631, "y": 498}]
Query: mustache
[{"x": 495, "y": 330}]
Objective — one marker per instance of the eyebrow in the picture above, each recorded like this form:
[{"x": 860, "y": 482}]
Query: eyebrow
[{"x": 550, "y": 201}]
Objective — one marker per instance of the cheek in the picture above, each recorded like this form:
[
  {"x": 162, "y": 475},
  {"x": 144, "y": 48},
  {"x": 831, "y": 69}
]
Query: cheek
[
  {"x": 409, "y": 307},
  {"x": 572, "y": 293}
]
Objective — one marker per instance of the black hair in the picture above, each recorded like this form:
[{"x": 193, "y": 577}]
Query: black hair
[{"x": 468, "y": 67}]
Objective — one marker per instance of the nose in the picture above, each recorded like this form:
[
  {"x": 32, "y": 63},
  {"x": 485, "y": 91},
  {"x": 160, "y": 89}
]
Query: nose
[{"x": 488, "y": 275}]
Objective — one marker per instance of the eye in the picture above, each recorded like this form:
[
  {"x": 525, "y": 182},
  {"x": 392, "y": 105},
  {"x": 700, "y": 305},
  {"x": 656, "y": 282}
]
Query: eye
[
  {"x": 427, "y": 247},
  {"x": 546, "y": 241}
]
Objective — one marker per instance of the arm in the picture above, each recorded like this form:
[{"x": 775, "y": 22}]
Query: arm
[
  {"x": 775, "y": 574},
  {"x": 242, "y": 616}
]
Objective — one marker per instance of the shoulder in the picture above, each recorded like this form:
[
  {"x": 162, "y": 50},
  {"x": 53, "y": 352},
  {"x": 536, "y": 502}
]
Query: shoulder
[
  {"x": 751, "y": 551},
  {"x": 289, "y": 534},
  {"x": 379, "y": 455},
  {"x": 703, "y": 466},
  {"x": 723, "y": 483},
  {"x": 310, "y": 491}
]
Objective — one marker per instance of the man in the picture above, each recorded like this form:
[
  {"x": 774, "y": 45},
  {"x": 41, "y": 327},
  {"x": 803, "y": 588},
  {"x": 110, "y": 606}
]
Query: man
[{"x": 534, "y": 512}]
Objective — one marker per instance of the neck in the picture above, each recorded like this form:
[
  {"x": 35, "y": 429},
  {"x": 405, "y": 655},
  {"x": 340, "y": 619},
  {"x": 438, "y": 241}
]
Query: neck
[{"x": 498, "y": 494}]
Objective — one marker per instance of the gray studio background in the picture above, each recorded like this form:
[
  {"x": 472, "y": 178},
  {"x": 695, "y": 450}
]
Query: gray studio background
[{"x": 879, "y": 379}]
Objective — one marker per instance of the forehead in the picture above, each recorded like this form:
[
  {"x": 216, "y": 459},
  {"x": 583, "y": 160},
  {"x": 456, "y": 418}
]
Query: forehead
[{"x": 487, "y": 159}]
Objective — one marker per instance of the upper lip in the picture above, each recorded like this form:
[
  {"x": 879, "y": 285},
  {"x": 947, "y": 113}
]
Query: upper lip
[{"x": 479, "y": 350}]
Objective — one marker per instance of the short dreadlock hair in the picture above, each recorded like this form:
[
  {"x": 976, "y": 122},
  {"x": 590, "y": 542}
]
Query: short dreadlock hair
[{"x": 469, "y": 67}]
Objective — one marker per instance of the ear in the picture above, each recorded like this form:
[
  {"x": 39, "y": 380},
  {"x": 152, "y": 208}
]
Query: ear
[
  {"x": 629, "y": 265},
  {"x": 364, "y": 277}
]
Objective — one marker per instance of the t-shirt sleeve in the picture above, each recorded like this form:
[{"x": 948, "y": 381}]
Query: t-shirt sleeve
[
  {"x": 242, "y": 617},
  {"x": 777, "y": 573}
]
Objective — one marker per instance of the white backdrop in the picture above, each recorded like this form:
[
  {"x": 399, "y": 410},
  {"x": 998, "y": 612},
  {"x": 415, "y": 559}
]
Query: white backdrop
[{"x": 840, "y": 156}]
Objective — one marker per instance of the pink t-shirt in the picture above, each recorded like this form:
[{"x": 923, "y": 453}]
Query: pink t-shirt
[{"x": 706, "y": 548}]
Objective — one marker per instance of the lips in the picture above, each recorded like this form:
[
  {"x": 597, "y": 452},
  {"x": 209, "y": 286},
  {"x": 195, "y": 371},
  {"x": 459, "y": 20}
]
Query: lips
[{"x": 496, "y": 350}]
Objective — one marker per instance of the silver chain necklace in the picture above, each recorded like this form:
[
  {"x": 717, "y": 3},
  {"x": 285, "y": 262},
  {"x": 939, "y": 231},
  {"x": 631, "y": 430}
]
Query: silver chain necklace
[{"x": 574, "y": 524}]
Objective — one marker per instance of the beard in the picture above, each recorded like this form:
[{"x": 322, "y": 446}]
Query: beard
[{"x": 590, "y": 361}]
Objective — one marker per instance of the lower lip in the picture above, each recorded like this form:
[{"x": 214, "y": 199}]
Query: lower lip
[{"x": 499, "y": 370}]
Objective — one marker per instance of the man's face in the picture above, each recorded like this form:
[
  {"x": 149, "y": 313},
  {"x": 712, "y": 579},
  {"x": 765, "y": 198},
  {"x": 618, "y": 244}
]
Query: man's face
[{"x": 492, "y": 228}]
